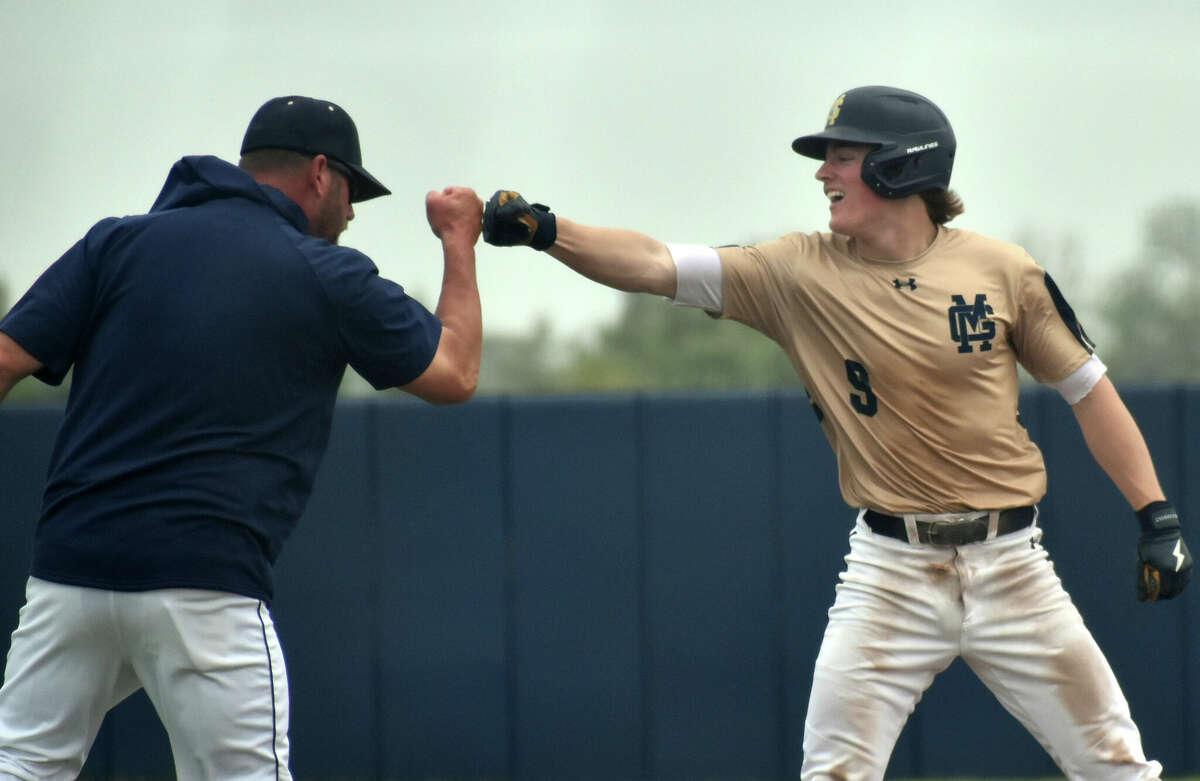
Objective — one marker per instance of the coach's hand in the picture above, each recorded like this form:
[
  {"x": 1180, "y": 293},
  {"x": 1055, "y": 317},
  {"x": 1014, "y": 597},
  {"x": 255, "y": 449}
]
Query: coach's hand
[
  {"x": 1164, "y": 562},
  {"x": 509, "y": 220}
]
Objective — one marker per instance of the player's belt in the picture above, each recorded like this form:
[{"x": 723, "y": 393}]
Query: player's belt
[{"x": 953, "y": 528}]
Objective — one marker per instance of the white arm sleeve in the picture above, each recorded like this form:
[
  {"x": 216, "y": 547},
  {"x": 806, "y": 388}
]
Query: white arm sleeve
[
  {"x": 1080, "y": 382},
  {"x": 697, "y": 276}
]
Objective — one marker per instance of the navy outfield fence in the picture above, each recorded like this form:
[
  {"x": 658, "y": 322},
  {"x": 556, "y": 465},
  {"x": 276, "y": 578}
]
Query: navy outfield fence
[{"x": 627, "y": 587}]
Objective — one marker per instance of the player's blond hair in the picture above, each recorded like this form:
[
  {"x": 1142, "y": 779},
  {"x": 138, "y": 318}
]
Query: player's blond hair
[{"x": 942, "y": 205}]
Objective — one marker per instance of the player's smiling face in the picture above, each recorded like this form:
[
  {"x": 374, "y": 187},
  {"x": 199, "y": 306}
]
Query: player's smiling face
[{"x": 852, "y": 204}]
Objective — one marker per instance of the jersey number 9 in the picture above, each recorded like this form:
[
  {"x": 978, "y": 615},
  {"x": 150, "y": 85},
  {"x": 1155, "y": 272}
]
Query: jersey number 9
[{"x": 865, "y": 401}]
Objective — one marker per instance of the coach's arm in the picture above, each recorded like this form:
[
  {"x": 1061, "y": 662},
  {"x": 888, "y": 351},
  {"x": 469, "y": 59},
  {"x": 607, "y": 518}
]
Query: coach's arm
[
  {"x": 15, "y": 364},
  {"x": 452, "y": 376}
]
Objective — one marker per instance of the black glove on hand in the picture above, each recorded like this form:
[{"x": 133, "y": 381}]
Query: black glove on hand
[
  {"x": 508, "y": 220},
  {"x": 1164, "y": 562}
]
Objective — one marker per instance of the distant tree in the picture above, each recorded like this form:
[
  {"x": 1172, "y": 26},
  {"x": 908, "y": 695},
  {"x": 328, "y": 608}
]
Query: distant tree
[
  {"x": 652, "y": 345},
  {"x": 1152, "y": 307},
  {"x": 525, "y": 363},
  {"x": 656, "y": 346}
]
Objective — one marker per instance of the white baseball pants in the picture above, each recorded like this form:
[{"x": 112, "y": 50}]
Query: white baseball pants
[
  {"x": 209, "y": 661},
  {"x": 904, "y": 612}
]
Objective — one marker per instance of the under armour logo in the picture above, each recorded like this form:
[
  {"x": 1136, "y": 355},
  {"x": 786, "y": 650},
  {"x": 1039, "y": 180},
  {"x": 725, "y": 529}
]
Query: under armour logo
[
  {"x": 911, "y": 284},
  {"x": 970, "y": 323}
]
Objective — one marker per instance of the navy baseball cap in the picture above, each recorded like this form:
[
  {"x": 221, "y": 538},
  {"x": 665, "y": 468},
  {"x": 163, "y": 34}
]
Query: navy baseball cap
[{"x": 315, "y": 127}]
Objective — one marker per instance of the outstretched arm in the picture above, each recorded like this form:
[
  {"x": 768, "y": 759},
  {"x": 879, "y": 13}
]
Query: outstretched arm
[
  {"x": 15, "y": 364},
  {"x": 454, "y": 216},
  {"x": 621, "y": 259}
]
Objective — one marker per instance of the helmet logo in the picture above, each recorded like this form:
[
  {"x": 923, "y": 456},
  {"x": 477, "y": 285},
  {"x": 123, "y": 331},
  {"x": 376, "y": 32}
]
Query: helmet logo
[{"x": 836, "y": 109}]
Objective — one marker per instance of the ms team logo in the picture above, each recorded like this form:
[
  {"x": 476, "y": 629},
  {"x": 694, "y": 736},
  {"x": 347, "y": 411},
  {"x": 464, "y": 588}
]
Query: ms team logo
[
  {"x": 835, "y": 110},
  {"x": 970, "y": 323}
]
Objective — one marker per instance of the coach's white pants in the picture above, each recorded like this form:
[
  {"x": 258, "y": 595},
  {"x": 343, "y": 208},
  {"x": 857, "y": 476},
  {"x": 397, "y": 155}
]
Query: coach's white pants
[
  {"x": 209, "y": 661},
  {"x": 904, "y": 612}
]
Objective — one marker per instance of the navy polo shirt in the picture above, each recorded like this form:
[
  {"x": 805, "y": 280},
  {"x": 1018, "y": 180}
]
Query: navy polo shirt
[{"x": 208, "y": 339}]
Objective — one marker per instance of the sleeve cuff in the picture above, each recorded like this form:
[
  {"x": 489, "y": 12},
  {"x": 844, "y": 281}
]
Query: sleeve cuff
[
  {"x": 697, "y": 276},
  {"x": 1080, "y": 382}
]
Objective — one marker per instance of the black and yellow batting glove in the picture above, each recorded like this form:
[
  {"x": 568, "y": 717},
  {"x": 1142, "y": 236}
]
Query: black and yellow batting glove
[
  {"x": 1164, "y": 561},
  {"x": 509, "y": 220}
]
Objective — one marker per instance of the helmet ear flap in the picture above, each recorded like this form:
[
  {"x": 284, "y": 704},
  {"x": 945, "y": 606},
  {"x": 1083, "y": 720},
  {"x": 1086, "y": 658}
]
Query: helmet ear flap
[
  {"x": 893, "y": 171},
  {"x": 882, "y": 170},
  {"x": 886, "y": 176}
]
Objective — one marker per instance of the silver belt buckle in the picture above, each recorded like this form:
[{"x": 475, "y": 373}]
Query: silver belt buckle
[
  {"x": 949, "y": 528},
  {"x": 957, "y": 532}
]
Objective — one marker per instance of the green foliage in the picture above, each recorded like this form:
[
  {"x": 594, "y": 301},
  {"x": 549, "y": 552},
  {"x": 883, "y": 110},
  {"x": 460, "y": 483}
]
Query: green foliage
[
  {"x": 656, "y": 345},
  {"x": 519, "y": 364},
  {"x": 1152, "y": 305},
  {"x": 653, "y": 345},
  {"x": 31, "y": 391}
]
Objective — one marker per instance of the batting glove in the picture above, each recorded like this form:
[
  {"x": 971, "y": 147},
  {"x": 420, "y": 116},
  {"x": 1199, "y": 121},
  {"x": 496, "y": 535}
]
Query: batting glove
[
  {"x": 1164, "y": 562},
  {"x": 509, "y": 220}
]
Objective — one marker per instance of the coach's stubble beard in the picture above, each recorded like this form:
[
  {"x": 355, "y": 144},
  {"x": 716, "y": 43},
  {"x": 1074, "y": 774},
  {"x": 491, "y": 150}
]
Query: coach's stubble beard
[{"x": 330, "y": 219}]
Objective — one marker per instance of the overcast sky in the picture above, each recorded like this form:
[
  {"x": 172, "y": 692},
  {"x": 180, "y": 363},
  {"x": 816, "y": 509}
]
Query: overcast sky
[{"x": 675, "y": 118}]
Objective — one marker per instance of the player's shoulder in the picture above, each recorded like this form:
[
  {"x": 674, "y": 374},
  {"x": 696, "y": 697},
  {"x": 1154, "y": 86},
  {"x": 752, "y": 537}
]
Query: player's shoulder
[
  {"x": 962, "y": 241},
  {"x": 818, "y": 240},
  {"x": 791, "y": 246}
]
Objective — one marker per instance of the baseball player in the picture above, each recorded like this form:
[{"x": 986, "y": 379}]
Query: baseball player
[
  {"x": 907, "y": 335},
  {"x": 208, "y": 339}
]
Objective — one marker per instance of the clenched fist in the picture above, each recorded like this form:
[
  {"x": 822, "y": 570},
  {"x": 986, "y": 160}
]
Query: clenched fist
[
  {"x": 1164, "y": 561},
  {"x": 455, "y": 211},
  {"x": 509, "y": 220}
]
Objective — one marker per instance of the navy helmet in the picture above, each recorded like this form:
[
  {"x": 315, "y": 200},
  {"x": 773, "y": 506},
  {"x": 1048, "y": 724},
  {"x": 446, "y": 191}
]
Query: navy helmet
[{"x": 914, "y": 143}]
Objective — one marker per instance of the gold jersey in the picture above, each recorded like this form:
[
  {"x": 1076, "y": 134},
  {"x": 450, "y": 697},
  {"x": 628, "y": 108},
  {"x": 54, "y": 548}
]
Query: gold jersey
[{"x": 912, "y": 365}]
